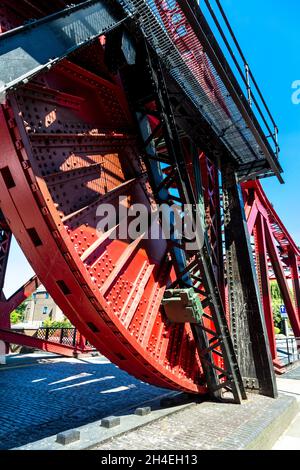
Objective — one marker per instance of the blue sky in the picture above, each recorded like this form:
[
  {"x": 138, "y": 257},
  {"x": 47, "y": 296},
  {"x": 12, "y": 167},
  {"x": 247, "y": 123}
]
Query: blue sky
[{"x": 268, "y": 31}]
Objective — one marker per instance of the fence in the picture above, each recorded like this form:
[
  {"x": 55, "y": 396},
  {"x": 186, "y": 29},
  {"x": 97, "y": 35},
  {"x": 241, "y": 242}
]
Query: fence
[{"x": 288, "y": 350}]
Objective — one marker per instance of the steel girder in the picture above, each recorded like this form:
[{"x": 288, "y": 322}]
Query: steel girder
[
  {"x": 110, "y": 290},
  {"x": 12, "y": 337},
  {"x": 246, "y": 315},
  {"x": 38, "y": 45},
  {"x": 59, "y": 167},
  {"x": 5, "y": 241},
  {"x": 211, "y": 333},
  {"x": 69, "y": 143},
  {"x": 181, "y": 36},
  {"x": 7, "y": 306},
  {"x": 278, "y": 257}
]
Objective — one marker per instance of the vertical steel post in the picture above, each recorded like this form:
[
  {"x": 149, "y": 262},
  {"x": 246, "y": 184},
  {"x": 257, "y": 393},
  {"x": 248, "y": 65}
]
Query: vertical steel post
[
  {"x": 288, "y": 350},
  {"x": 248, "y": 84},
  {"x": 76, "y": 338},
  {"x": 282, "y": 282},
  {"x": 212, "y": 200},
  {"x": 5, "y": 242},
  {"x": 247, "y": 319},
  {"x": 295, "y": 279},
  {"x": 263, "y": 277},
  {"x": 81, "y": 342},
  {"x": 225, "y": 377},
  {"x": 61, "y": 336}
]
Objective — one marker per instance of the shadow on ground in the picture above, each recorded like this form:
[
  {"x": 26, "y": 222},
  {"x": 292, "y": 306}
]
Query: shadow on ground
[{"x": 39, "y": 400}]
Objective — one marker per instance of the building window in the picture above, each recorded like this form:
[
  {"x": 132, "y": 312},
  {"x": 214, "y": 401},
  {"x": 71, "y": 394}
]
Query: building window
[{"x": 45, "y": 310}]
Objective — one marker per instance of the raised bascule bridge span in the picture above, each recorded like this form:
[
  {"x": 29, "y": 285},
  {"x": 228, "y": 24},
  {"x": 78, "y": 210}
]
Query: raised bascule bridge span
[{"x": 152, "y": 101}]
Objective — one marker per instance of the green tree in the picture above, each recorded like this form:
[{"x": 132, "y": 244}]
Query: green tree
[
  {"x": 48, "y": 323},
  {"x": 277, "y": 301},
  {"x": 18, "y": 315}
]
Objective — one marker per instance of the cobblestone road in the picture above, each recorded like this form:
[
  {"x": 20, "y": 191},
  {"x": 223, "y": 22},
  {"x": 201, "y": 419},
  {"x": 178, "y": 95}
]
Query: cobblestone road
[{"x": 39, "y": 400}]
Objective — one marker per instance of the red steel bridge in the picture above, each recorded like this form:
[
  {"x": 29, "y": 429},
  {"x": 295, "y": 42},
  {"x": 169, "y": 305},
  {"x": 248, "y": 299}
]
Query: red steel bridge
[{"x": 154, "y": 101}]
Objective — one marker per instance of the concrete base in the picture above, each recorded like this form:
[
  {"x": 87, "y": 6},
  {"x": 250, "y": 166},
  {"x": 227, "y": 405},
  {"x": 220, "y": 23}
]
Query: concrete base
[
  {"x": 2, "y": 352},
  {"x": 93, "y": 434},
  {"x": 266, "y": 429},
  {"x": 257, "y": 424}
]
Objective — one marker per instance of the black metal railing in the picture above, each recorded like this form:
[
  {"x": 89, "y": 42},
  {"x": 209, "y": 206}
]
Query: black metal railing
[
  {"x": 66, "y": 336},
  {"x": 288, "y": 350},
  {"x": 232, "y": 49},
  {"x": 199, "y": 54}
]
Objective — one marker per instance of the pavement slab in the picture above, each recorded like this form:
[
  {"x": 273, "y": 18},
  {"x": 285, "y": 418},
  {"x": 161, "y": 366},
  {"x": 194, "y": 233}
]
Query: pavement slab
[
  {"x": 256, "y": 424},
  {"x": 289, "y": 384}
]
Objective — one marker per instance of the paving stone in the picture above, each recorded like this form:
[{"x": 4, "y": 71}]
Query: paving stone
[
  {"x": 143, "y": 411},
  {"x": 210, "y": 426},
  {"x": 111, "y": 422},
  {"x": 67, "y": 437}
]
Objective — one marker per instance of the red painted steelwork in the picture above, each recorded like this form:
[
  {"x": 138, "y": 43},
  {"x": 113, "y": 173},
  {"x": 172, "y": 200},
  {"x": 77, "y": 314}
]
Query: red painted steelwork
[
  {"x": 13, "y": 337},
  {"x": 190, "y": 49},
  {"x": 10, "y": 304},
  {"x": 213, "y": 202},
  {"x": 68, "y": 145},
  {"x": 66, "y": 154},
  {"x": 277, "y": 257}
]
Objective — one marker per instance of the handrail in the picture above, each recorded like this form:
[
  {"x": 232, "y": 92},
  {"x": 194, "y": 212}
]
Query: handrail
[
  {"x": 292, "y": 351},
  {"x": 247, "y": 76}
]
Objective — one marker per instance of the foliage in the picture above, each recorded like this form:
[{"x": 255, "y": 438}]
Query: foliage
[
  {"x": 57, "y": 324},
  {"x": 18, "y": 315},
  {"x": 277, "y": 301}
]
